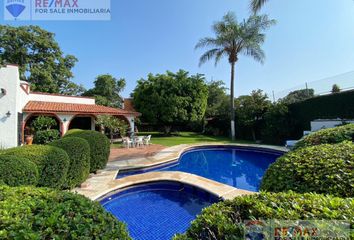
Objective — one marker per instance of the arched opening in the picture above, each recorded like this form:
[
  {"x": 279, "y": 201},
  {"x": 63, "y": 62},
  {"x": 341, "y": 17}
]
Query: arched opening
[
  {"x": 27, "y": 129},
  {"x": 81, "y": 122}
]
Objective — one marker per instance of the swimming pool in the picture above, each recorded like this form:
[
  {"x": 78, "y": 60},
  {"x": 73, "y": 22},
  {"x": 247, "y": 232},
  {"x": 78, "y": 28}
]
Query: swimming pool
[
  {"x": 240, "y": 167},
  {"x": 158, "y": 210}
]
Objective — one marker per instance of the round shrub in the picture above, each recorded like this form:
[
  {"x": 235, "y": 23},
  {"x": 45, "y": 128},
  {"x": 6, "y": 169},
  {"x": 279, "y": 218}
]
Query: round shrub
[
  {"x": 329, "y": 135},
  {"x": 38, "y": 213},
  {"x": 17, "y": 171},
  {"x": 327, "y": 169},
  {"x": 52, "y": 163},
  {"x": 225, "y": 220},
  {"x": 46, "y": 136},
  {"x": 78, "y": 150},
  {"x": 99, "y": 147}
]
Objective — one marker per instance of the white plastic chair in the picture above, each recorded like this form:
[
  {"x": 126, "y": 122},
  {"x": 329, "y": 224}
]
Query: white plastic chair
[
  {"x": 127, "y": 142},
  {"x": 147, "y": 140},
  {"x": 139, "y": 141}
]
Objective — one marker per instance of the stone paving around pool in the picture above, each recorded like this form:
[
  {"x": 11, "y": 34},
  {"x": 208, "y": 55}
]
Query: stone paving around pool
[
  {"x": 104, "y": 182},
  {"x": 119, "y": 154}
]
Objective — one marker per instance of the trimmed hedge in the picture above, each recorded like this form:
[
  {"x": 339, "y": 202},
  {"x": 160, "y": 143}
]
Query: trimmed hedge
[
  {"x": 331, "y": 106},
  {"x": 225, "y": 220},
  {"x": 17, "y": 171},
  {"x": 78, "y": 150},
  {"x": 330, "y": 135},
  {"x": 52, "y": 163},
  {"x": 327, "y": 169},
  {"x": 99, "y": 147},
  {"x": 38, "y": 213}
]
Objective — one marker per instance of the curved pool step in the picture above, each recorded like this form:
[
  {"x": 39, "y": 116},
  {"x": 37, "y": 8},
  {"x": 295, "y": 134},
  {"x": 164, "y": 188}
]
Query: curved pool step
[
  {"x": 97, "y": 190},
  {"x": 223, "y": 191}
]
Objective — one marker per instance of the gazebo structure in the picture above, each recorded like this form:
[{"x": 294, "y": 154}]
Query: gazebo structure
[{"x": 19, "y": 107}]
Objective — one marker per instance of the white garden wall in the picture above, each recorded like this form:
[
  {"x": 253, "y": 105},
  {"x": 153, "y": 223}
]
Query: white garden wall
[{"x": 327, "y": 123}]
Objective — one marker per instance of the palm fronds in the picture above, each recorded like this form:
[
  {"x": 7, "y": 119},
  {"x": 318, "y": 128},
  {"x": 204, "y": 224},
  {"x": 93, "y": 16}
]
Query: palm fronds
[
  {"x": 233, "y": 38},
  {"x": 256, "y": 5}
]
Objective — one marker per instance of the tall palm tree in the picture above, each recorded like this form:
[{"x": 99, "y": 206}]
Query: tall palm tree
[
  {"x": 256, "y": 5},
  {"x": 232, "y": 39}
]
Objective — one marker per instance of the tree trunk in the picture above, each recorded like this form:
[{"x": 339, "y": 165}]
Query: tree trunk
[
  {"x": 111, "y": 135},
  {"x": 254, "y": 135},
  {"x": 232, "y": 109},
  {"x": 167, "y": 129}
]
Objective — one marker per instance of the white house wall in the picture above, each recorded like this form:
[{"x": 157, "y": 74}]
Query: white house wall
[
  {"x": 22, "y": 97},
  {"x": 9, "y": 80},
  {"x": 60, "y": 99}
]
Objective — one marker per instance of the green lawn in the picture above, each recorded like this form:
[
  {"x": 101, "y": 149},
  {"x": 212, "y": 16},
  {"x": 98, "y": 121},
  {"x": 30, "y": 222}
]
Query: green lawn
[{"x": 184, "y": 138}]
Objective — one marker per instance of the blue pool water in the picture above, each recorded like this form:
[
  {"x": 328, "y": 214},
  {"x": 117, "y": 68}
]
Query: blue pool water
[
  {"x": 239, "y": 167},
  {"x": 157, "y": 211}
]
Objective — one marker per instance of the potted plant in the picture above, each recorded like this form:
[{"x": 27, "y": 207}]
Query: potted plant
[{"x": 29, "y": 135}]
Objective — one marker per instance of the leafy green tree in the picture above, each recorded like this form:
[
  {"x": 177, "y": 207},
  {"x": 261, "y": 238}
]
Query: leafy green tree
[
  {"x": 233, "y": 39},
  {"x": 44, "y": 133},
  {"x": 298, "y": 96},
  {"x": 217, "y": 100},
  {"x": 171, "y": 98},
  {"x": 251, "y": 109},
  {"x": 107, "y": 91},
  {"x": 218, "y": 109},
  {"x": 40, "y": 59},
  {"x": 72, "y": 89},
  {"x": 43, "y": 123},
  {"x": 114, "y": 125}
]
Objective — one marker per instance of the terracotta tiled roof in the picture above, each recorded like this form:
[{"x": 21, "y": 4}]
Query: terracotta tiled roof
[
  {"x": 128, "y": 104},
  {"x": 53, "y": 107}
]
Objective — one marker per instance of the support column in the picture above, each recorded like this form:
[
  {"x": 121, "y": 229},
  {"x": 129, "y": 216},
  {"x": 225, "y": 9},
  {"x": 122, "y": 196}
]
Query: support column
[
  {"x": 93, "y": 125},
  {"x": 131, "y": 120},
  {"x": 64, "y": 123}
]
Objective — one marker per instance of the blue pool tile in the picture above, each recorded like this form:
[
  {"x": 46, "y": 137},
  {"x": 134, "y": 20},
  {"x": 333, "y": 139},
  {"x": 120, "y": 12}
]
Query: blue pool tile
[
  {"x": 238, "y": 167},
  {"x": 158, "y": 211}
]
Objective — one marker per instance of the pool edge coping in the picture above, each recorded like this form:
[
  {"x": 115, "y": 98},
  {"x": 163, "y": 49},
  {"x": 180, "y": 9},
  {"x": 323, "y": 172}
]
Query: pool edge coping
[{"x": 105, "y": 182}]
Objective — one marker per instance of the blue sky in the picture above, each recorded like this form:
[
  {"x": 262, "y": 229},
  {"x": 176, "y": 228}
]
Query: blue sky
[{"x": 313, "y": 39}]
